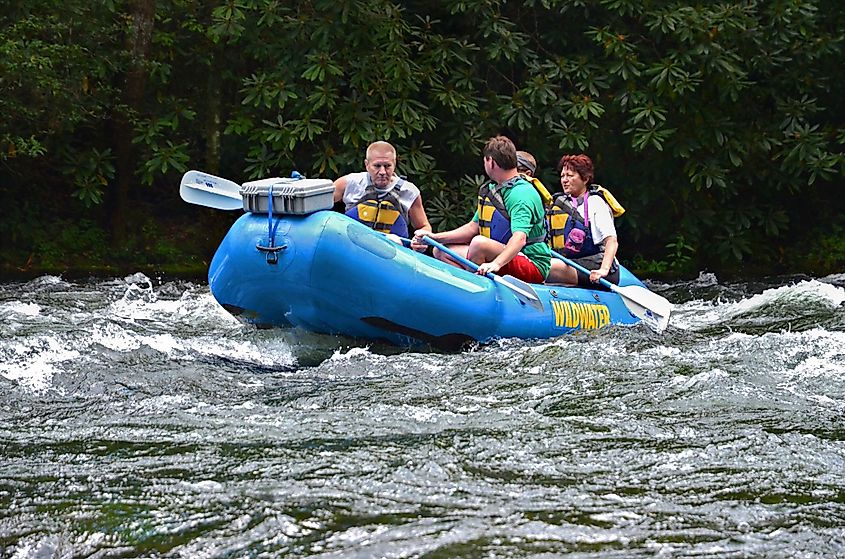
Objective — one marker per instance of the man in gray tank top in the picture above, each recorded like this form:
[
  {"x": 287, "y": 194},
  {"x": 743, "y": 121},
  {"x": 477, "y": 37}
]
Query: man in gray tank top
[{"x": 364, "y": 195}]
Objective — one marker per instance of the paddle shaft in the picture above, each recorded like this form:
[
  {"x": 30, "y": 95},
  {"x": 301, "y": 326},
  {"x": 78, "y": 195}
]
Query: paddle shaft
[
  {"x": 648, "y": 306},
  {"x": 582, "y": 269},
  {"x": 523, "y": 291},
  {"x": 465, "y": 261}
]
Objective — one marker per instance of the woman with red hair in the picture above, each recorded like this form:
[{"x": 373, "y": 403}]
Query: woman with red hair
[{"x": 581, "y": 227}]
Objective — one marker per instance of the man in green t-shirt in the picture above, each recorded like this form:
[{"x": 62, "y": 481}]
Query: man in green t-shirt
[{"x": 507, "y": 232}]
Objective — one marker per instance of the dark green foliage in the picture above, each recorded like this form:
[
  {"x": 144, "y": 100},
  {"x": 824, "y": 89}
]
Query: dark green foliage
[{"x": 719, "y": 125}]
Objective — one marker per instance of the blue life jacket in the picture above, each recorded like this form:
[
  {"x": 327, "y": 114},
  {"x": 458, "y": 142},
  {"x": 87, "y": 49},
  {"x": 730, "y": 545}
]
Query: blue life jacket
[
  {"x": 563, "y": 218},
  {"x": 493, "y": 219}
]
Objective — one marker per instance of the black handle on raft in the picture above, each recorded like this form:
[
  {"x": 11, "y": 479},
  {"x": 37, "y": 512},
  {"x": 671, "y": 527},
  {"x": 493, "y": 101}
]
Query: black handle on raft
[{"x": 272, "y": 252}]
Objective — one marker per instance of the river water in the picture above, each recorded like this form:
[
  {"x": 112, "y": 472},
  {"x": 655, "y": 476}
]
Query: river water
[{"x": 137, "y": 418}]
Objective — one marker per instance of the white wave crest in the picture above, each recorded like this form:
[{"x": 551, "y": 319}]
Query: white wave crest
[
  {"x": 706, "y": 279},
  {"x": 45, "y": 281},
  {"x": 838, "y": 279},
  {"x": 696, "y": 314},
  {"x": 353, "y": 353},
  {"x": 8, "y": 309},
  {"x": 33, "y": 361},
  {"x": 140, "y": 304},
  {"x": 267, "y": 353}
]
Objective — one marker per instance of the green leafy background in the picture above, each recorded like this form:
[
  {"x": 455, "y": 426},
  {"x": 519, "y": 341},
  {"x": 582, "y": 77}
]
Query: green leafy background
[{"x": 718, "y": 125}]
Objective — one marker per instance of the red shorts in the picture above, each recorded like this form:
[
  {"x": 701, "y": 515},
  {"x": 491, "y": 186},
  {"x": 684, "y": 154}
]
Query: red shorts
[{"x": 521, "y": 267}]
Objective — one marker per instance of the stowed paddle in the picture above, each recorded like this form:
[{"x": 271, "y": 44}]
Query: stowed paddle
[
  {"x": 210, "y": 191},
  {"x": 649, "y": 307},
  {"x": 523, "y": 291}
]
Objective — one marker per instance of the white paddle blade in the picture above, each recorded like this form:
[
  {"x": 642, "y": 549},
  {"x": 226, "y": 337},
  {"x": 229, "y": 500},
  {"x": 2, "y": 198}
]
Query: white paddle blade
[
  {"x": 210, "y": 191},
  {"x": 523, "y": 291},
  {"x": 649, "y": 307}
]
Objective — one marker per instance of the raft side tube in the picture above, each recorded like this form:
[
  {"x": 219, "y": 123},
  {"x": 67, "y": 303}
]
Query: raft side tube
[{"x": 378, "y": 282}]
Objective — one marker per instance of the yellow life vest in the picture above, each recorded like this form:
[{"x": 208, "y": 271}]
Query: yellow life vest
[
  {"x": 381, "y": 211},
  {"x": 541, "y": 189},
  {"x": 615, "y": 207},
  {"x": 378, "y": 214}
]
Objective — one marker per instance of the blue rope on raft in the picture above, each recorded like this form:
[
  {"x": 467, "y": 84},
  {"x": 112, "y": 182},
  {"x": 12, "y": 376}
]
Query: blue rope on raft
[{"x": 271, "y": 227}]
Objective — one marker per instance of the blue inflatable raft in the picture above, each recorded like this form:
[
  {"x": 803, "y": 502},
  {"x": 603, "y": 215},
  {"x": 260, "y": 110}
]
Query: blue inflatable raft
[
  {"x": 330, "y": 274},
  {"x": 289, "y": 261}
]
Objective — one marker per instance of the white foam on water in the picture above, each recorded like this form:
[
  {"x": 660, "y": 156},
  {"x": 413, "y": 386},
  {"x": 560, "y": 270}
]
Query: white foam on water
[
  {"x": 351, "y": 354},
  {"x": 356, "y": 536},
  {"x": 430, "y": 366},
  {"x": 204, "y": 486},
  {"x": 696, "y": 314},
  {"x": 247, "y": 405},
  {"x": 824, "y": 350},
  {"x": 164, "y": 343},
  {"x": 804, "y": 291},
  {"x": 166, "y": 402},
  {"x": 616, "y": 516},
  {"x": 805, "y": 368},
  {"x": 419, "y": 414},
  {"x": 706, "y": 279},
  {"x": 267, "y": 355},
  {"x": 707, "y": 377},
  {"x": 15, "y": 315},
  {"x": 138, "y": 304},
  {"x": 142, "y": 304},
  {"x": 663, "y": 351},
  {"x": 123, "y": 325},
  {"x": 115, "y": 338},
  {"x": 36, "y": 546},
  {"x": 138, "y": 277},
  {"x": 818, "y": 367},
  {"x": 819, "y": 341},
  {"x": 834, "y": 278},
  {"x": 206, "y": 307},
  {"x": 47, "y": 281},
  {"x": 733, "y": 338},
  {"x": 9, "y": 309},
  {"x": 33, "y": 361}
]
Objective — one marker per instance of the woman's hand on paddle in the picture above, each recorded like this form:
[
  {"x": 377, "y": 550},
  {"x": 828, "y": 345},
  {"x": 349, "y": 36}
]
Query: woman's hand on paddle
[
  {"x": 596, "y": 275},
  {"x": 417, "y": 242}
]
